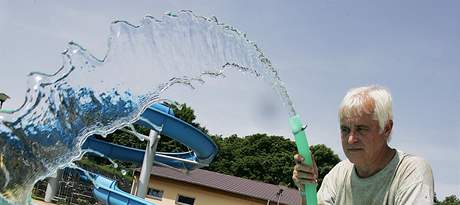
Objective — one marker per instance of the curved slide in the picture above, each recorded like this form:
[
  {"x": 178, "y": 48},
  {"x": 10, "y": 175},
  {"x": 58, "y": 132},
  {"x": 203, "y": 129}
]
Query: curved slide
[
  {"x": 107, "y": 191},
  {"x": 129, "y": 154},
  {"x": 157, "y": 115}
]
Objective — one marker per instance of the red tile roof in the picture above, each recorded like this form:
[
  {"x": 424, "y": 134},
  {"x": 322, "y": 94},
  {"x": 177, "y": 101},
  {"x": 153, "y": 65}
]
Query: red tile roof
[{"x": 231, "y": 184}]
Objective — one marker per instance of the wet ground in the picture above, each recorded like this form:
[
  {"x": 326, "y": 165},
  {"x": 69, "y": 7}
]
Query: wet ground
[{"x": 38, "y": 202}]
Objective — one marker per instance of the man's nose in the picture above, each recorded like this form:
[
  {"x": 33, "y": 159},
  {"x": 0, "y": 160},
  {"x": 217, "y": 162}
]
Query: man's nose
[{"x": 352, "y": 139}]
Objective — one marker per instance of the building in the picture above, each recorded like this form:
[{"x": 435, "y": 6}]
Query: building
[{"x": 202, "y": 187}]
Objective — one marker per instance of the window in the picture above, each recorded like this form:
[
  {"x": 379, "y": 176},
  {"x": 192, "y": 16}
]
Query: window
[
  {"x": 155, "y": 193},
  {"x": 184, "y": 200}
]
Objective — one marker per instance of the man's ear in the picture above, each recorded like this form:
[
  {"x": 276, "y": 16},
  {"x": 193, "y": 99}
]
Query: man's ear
[{"x": 388, "y": 128}]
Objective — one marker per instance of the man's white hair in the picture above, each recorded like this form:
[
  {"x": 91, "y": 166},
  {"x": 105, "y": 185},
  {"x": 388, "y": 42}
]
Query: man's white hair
[{"x": 373, "y": 99}]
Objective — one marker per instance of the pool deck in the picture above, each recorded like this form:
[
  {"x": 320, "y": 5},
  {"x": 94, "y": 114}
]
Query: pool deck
[{"x": 38, "y": 202}]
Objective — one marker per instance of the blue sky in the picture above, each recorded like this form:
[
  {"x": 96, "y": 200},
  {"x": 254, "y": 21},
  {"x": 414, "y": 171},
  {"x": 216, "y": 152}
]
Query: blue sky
[{"x": 321, "y": 49}]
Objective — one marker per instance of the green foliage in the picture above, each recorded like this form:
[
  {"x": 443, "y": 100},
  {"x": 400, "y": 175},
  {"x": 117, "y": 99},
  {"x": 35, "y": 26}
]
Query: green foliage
[
  {"x": 126, "y": 139},
  {"x": 106, "y": 169},
  {"x": 256, "y": 157},
  {"x": 183, "y": 112},
  {"x": 325, "y": 159},
  {"x": 265, "y": 158},
  {"x": 187, "y": 114},
  {"x": 449, "y": 200}
]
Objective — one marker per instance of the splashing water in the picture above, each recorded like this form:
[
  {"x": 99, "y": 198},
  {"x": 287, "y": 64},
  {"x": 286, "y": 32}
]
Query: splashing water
[{"x": 88, "y": 95}]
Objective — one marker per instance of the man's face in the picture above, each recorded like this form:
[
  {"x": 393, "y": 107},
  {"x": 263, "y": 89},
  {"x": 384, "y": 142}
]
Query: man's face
[{"x": 362, "y": 141}]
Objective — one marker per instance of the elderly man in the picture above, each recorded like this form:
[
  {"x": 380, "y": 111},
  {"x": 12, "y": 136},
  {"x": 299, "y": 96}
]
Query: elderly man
[{"x": 374, "y": 173}]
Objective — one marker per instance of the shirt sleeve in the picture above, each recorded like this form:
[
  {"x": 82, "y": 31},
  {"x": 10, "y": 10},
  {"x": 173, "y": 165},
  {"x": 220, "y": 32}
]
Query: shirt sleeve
[
  {"x": 418, "y": 187},
  {"x": 418, "y": 193},
  {"x": 326, "y": 194}
]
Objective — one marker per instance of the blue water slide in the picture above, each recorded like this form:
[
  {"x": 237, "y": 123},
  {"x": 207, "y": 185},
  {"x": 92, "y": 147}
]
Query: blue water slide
[
  {"x": 129, "y": 154},
  {"x": 107, "y": 192},
  {"x": 157, "y": 115}
]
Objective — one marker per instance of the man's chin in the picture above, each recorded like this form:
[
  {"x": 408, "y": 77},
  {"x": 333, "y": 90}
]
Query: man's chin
[{"x": 353, "y": 159}]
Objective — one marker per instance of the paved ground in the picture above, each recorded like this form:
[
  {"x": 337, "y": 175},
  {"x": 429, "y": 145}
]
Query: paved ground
[{"x": 38, "y": 202}]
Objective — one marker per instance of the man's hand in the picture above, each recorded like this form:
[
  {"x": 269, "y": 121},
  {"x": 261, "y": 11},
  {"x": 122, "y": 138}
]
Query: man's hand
[{"x": 303, "y": 173}]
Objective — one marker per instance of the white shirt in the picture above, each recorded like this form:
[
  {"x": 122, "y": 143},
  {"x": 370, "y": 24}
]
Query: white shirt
[{"x": 407, "y": 179}]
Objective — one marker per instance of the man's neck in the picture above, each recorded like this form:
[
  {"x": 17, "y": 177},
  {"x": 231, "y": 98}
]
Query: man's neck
[{"x": 377, "y": 164}]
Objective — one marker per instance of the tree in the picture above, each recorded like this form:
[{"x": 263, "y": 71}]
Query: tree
[
  {"x": 435, "y": 199},
  {"x": 187, "y": 114},
  {"x": 265, "y": 158},
  {"x": 325, "y": 159},
  {"x": 256, "y": 157},
  {"x": 450, "y": 200}
]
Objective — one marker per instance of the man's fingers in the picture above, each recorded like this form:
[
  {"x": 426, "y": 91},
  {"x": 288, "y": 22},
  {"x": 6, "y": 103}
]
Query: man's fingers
[
  {"x": 304, "y": 175},
  {"x": 302, "y": 178},
  {"x": 304, "y": 168},
  {"x": 298, "y": 158}
]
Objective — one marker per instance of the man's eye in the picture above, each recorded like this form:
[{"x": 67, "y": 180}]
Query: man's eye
[
  {"x": 344, "y": 130},
  {"x": 361, "y": 129}
]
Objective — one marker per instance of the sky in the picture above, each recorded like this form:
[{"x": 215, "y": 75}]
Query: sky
[{"x": 320, "y": 48}]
